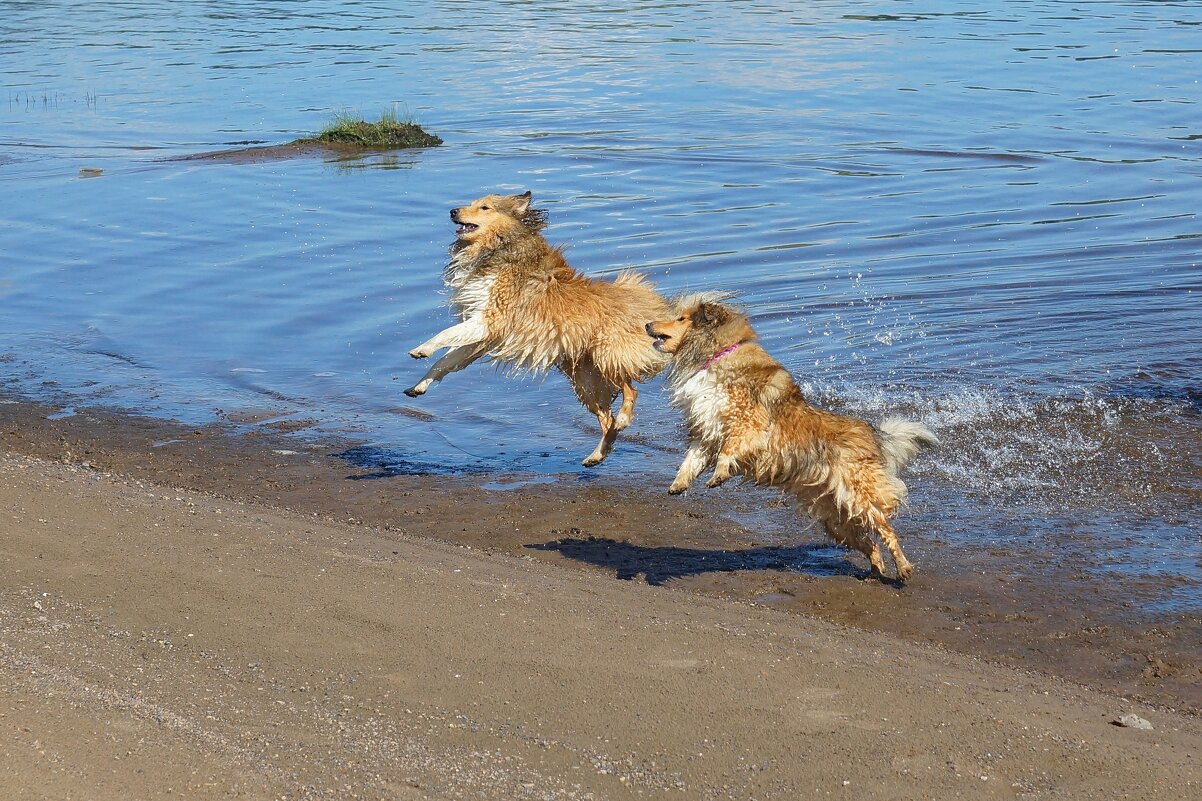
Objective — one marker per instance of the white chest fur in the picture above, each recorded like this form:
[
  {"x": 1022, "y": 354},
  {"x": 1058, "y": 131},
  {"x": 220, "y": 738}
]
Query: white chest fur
[
  {"x": 702, "y": 399},
  {"x": 472, "y": 297}
]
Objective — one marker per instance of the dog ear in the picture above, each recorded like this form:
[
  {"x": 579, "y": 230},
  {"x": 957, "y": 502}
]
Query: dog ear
[
  {"x": 707, "y": 314},
  {"x": 522, "y": 202},
  {"x": 716, "y": 314}
]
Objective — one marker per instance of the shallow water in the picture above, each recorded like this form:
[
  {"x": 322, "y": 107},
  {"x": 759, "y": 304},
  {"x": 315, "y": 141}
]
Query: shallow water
[{"x": 986, "y": 218}]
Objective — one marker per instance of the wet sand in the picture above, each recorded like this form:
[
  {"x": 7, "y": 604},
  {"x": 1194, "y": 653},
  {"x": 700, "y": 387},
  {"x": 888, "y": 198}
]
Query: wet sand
[{"x": 157, "y": 642}]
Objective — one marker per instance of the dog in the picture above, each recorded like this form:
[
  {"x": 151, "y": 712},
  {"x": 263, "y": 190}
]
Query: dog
[
  {"x": 747, "y": 416},
  {"x": 521, "y": 304}
]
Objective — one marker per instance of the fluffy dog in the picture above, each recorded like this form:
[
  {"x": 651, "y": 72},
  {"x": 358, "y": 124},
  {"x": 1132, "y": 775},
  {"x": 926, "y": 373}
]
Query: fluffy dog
[
  {"x": 522, "y": 304},
  {"x": 746, "y": 416}
]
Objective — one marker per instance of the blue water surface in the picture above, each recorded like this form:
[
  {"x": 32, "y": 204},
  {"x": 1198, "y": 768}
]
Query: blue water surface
[{"x": 982, "y": 215}]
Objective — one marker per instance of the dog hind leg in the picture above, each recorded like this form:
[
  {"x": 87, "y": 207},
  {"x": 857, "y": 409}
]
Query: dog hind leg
[
  {"x": 452, "y": 361},
  {"x": 609, "y": 433},
  {"x": 851, "y": 535},
  {"x": 626, "y": 413},
  {"x": 888, "y": 536},
  {"x": 597, "y": 394}
]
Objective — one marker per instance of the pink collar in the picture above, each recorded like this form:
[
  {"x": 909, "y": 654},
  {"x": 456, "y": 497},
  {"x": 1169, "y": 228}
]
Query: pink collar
[{"x": 724, "y": 352}]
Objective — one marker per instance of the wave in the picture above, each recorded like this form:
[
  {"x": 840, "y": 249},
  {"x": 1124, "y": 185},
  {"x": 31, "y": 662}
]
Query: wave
[{"x": 1073, "y": 450}]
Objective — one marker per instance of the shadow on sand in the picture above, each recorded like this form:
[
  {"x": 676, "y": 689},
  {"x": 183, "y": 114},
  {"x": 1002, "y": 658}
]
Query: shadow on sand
[{"x": 662, "y": 563}]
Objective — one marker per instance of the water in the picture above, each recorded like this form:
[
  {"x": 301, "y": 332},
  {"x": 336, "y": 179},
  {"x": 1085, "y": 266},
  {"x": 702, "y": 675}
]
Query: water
[{"x": 984, "y": 217}]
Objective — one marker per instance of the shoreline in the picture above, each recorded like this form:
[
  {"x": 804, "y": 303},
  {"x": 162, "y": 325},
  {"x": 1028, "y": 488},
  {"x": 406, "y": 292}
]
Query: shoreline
[{"x": 1067, "y": 627}]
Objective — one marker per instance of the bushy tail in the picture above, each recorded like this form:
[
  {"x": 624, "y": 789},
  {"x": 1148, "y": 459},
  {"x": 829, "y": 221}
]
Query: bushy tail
[
  {"x": 900, "y": 441},
  {"x": 630, "y": 278}
]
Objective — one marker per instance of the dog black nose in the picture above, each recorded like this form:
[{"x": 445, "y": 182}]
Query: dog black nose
[
  {"x": 647, "y": 328},
  {"x": 454, "y": 215}
]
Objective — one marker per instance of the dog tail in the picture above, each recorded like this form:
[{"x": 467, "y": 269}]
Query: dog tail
[
  {"x": 900, "y": 440},
  {"x": 631, "y": 278}
]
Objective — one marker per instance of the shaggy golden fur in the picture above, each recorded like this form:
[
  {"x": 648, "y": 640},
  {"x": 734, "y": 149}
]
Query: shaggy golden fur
[
  {"x": 747, "y": 417},
  {"x": 522, "y": 304}
]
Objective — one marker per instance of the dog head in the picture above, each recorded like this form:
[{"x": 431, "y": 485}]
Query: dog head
[
  {"x": 492, "y": 217},
  {"x": 698, "y": 317}
]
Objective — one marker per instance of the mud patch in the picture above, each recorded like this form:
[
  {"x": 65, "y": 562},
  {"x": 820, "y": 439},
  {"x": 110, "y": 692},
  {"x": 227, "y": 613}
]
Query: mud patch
[
  {"x": 266, "y": 153},
  {"x": 346, "y": 142}
]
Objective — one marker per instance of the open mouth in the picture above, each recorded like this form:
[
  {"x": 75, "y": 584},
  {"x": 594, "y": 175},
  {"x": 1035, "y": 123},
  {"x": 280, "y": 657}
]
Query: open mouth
[
  {"x": 657, "y": 338},
  {"x": 465, "y": 228}
]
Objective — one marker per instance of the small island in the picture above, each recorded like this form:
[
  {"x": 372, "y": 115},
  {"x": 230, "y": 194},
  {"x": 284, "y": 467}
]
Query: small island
[
  {"x": 346, "y": 134},
  {"x": 390, "y": 133}
]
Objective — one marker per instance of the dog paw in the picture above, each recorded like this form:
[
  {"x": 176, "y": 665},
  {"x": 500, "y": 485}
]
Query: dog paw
[
  {"x": 418, "y": 353},
  {"x": 592, "y": 460},
  {"x": 716, "y": 482},
  {"x": 414, "y": 392},
  {"x": 905, "y": 571},
  {"x": 677, "y": 489}
]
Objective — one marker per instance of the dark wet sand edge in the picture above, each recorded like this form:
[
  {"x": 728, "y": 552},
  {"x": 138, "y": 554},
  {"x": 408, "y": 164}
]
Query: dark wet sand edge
[{"x": 1071, "y": 627}]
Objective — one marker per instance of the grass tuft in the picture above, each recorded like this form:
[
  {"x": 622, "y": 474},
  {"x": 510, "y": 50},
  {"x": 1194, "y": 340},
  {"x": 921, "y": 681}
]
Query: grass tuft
[{"x": 347, "y": 129}]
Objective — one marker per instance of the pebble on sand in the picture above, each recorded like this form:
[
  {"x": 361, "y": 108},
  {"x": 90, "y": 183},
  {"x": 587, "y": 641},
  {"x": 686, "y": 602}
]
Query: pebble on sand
[{"x": 1132, "y": 722}]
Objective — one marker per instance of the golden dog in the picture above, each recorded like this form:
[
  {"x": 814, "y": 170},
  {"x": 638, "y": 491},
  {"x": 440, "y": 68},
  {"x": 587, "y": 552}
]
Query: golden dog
[
  {"x": 746, "y": 416},
  {"x": 522, "y": 304}
]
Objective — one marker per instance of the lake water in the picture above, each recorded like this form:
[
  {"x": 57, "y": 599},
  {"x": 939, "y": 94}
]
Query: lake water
[{"x": 983, "y": 215}]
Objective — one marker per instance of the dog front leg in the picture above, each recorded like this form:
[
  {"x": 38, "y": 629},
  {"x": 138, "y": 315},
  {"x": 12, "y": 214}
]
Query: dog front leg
[
  {"x": 737, "y": 447},
  {"x": 452, "y": 361},
  {"x": 724, "y": 471},
  {"x": 728, "y": 461},
  {"x": 469, "y": 332},
  {"x": 696, "y": 459}
]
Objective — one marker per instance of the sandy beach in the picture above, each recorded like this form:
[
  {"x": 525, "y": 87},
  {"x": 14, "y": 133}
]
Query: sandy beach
[{"x": 157, "y": 641}]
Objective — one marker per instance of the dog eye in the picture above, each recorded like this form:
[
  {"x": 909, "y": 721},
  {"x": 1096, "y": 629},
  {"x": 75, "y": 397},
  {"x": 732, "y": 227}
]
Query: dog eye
[{"x": 484, "y": 208}]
